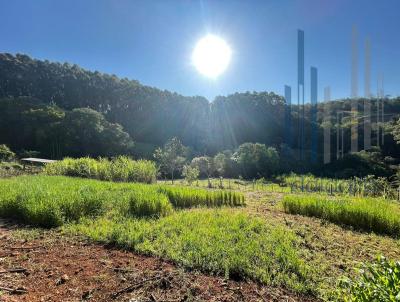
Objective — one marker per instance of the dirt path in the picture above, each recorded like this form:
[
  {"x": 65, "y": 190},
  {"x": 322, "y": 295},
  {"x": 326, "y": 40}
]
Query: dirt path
[{"x": 71, "y": 269}]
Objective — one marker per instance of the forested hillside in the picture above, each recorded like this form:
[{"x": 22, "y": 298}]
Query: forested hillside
[{"x": 62, "y": 109}]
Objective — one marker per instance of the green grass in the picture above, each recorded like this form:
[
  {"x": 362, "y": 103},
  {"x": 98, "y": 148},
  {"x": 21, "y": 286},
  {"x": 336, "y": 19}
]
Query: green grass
[
  {"x": 369, "y": 214},
  {"x": 148, "y": 219},
  {"x": 221, "y": 241},
  {"x": 50, "y": 201},
  {"x": 121, "y": 168},
  {"x": 186, "y": 197},
  {"x": 368, "y": 186}
]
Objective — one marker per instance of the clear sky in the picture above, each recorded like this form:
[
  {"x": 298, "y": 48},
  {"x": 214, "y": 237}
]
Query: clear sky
[{"x": 152, "y": 41}]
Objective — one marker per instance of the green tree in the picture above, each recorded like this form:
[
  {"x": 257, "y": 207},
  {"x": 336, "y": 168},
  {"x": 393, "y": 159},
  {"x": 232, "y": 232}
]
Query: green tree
[
  {"x": 396, "y": 131},
  {"x": 256, "y": 160},
  {"x": 206, "y": 166},
  {"x": 6, "y": 153},
  {"x": 171, "y": 157},
  {"x": 190, "y": 173},
  {"x": 87, "y": 132},
  {"x": 225, "y": 165}
]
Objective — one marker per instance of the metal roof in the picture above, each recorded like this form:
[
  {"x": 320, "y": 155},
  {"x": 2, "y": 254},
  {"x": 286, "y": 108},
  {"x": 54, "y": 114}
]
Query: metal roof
[{"x": 38, "y": 160}]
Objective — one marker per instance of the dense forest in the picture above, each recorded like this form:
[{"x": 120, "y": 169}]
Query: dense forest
[{"x": 63, "y": 110}]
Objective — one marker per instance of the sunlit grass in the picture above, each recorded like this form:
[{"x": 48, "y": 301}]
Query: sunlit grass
[
  {"x": 50, "y": 201},
  {"x": 369, "y": 214},
  {"x": 224, "y": 242},
  {"x": 121, "y": 168}
]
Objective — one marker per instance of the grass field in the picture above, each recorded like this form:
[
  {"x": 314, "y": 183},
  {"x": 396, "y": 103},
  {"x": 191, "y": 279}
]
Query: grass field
[
  {"x": 50, "y": 201},
  {"x": 215, "y": 230},
  {"x": 225, "y": 242},
  {"x": 147, "y": 219}
]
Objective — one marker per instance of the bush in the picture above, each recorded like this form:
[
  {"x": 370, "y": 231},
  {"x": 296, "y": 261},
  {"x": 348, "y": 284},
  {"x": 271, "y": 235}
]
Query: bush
[
  {"x": 377, "y": 282},
  {"x": 190, "y": 173},
  {"x": 121, "y": 168},
  {"x": 6, "y": 153}
]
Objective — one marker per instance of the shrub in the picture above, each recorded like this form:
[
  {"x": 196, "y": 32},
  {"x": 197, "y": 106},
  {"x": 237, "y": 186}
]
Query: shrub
[
  {"x": 6, "y": 153},
  {"x": 376, "y": 282},
  {"x": 190, "y": 173}
]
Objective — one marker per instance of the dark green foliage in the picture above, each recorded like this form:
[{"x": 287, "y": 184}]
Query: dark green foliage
[
  {"x": 359, "y": 164},
  {"x": 50, "y": 124},
  {"x": 257, "y": 160},
  {"x": 6, "y": 153},
  {"x": 26, "y": 123},
  {"x": 376, "y": 282},
  {"x": 396, "y": 131}
]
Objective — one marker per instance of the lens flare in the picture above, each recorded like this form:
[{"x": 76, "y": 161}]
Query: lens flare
[{"x": 211, "y": 56}]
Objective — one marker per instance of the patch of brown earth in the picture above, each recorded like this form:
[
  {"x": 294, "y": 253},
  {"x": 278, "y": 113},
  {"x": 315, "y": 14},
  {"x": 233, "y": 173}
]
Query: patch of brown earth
[{"x": 56, "y": 268}]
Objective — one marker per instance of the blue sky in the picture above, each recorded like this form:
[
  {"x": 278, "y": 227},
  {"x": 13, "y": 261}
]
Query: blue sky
[{"x": 152, "y": 41}]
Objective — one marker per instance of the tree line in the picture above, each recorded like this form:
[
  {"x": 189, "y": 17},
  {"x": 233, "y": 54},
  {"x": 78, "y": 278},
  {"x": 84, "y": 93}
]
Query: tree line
[{"x": 63, "y": 110}]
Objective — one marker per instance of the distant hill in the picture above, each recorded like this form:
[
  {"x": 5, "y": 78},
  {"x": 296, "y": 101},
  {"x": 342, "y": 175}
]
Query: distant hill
[{"x": 151, "y": 116}]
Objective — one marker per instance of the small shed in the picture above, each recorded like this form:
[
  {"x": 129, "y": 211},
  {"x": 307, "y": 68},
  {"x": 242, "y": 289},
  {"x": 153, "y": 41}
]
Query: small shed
[{"x": 40, "y": 161}]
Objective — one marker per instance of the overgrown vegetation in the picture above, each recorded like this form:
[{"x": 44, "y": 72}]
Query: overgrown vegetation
[
  {"x": 121, "y": 168},
  {"x": 369, "y": 214},
  {"x": 50, "y": 201},
  {"x": 376, "y": 282},
  {"x": 355, "y": 186}
]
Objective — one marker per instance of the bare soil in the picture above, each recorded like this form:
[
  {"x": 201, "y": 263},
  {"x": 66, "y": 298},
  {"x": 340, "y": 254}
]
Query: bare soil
[{"x": 55, "y": 267}]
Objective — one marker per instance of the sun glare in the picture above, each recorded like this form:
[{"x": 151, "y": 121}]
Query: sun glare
[{"x": 211, "y": 56}]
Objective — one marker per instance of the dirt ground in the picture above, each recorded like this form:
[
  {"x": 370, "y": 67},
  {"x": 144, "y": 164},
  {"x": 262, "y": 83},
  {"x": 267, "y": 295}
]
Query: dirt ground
[{"x": 50, "y": 267}]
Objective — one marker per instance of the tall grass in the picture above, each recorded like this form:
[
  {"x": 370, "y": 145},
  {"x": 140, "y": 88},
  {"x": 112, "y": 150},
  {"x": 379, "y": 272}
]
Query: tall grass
[
  {"x": 369, "y": 214},
  {"x": 121, "y": 168},
  {"x": 368, "y": 186},
  {"x": 186, "y": 197},
  {"x": 50, "y": 201},
  {"x": 224, "y": 241}
]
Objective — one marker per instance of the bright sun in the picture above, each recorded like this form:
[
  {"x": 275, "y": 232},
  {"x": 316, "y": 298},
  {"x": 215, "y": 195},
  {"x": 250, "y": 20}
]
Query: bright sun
[{"x": 211, "y": 56}]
